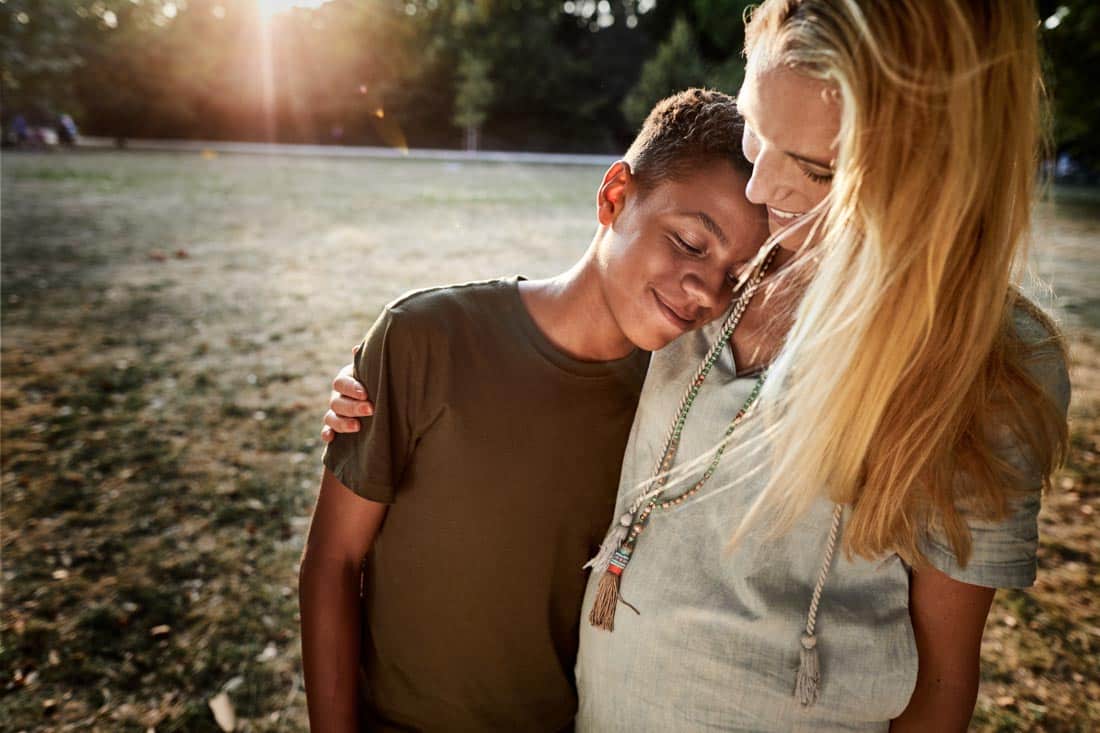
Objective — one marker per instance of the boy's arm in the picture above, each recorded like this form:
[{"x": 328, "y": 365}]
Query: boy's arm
[
  {"x": 948, "y": 620},
  {"x": 343, "y": 528}
]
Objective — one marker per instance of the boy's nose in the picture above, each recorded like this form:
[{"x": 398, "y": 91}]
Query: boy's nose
[{"x": 705, "y": 296}]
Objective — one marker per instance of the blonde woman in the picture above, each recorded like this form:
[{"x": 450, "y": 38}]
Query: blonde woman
[
  {"x": 822, "y": 491},
  {"x": 912, "y": 410}
]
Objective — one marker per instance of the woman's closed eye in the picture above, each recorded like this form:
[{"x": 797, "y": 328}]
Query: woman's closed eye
[{"x": 819, "y": 178}]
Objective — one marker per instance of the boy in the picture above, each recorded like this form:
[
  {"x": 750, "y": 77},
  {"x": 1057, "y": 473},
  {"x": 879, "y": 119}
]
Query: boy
[{"x": 501, "y": 413}]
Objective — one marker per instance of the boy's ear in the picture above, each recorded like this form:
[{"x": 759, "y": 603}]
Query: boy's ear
[{"x": 613, "y": 192}]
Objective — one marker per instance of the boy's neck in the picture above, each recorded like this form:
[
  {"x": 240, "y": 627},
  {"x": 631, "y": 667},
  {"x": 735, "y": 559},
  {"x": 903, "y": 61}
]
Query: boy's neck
[{"x": 571, "y": 311}]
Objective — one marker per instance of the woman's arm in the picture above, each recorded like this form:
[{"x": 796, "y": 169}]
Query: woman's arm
[
  {"x": 948, "y": 620},
  {"x": 342, "y": 531}
]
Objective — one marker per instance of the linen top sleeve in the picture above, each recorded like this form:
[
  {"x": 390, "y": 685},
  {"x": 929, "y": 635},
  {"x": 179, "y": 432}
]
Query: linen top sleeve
[
  {"x": 1003, "y": 553},
  {"x": 372, "y": 461}
]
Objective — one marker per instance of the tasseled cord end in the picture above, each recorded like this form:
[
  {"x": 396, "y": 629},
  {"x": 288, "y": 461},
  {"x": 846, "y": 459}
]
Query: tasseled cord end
[
  {"x": 808, "y": 681},
  {"x": 602, "y": 615}
]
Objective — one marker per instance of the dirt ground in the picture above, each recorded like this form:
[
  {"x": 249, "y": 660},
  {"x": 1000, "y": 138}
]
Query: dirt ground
[{"x": 170, "y": 324}]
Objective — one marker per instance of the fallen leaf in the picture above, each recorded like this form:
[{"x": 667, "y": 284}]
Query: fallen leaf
[
  {"x": 224, "y": 714},
  {"x": 1005, "y": 701},
  {"x": 60, "y": 574},
  {"x": 160, "y": 631}
]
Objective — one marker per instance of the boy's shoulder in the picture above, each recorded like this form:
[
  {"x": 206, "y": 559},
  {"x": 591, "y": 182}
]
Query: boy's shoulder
[
  {"x": 455, "y": 299},
  {"x": 443, "y": 312}
]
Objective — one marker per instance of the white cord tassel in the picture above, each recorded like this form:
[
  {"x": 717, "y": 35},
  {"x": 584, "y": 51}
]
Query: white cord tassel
[
  {"x": 808, "y": 681},
  {"x": 807, "y": 684},
  {"x": 611, "y": 542}
]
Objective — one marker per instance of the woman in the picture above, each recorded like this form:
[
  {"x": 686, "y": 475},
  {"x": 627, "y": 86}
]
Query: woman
[{"x": 887, "y": 413}]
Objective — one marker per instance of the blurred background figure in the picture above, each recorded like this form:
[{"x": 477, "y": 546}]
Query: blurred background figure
[
  {"x": 19, "y": 131},
  {"x": 66, "y": 130}
]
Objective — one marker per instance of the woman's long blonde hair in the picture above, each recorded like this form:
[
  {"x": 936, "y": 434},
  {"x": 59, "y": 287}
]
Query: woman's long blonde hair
[{"x": 903, "y": 362}]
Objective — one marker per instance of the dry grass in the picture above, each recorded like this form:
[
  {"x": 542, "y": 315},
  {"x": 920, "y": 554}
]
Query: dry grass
[{"x": 170, "y": 324}]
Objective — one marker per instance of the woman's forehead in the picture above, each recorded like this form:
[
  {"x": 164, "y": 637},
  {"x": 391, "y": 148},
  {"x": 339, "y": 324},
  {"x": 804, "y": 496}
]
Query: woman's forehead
[{"x": 796, "y": 112}]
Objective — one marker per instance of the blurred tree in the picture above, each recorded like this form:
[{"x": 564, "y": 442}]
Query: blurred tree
[
  {"x": 541, "y": 74},
  {"x": 1070, "y": 33},
  {"x": 40, "y": 46},
  {"x": 676, "y": 65},
  {"x": 721, "y": 25},
  {"x": 358, "y": 71},
  {"x": 473, "y": 95},
  {"x": 703, "y": 48},
  {"x": 132, "y": 82}
]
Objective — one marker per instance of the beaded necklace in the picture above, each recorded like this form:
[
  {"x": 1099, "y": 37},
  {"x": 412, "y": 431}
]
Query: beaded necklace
[{"x": 618, "y": 546}]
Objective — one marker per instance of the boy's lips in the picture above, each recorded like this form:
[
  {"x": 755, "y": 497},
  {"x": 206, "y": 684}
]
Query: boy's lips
[{"x": 673, "y": 315}]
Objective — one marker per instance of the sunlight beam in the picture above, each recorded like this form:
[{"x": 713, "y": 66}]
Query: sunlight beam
[{"x": 269, "y": 8}]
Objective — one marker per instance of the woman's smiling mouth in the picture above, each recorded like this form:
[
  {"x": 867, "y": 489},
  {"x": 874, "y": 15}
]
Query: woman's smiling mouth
[{"x": 784, "y": 215}]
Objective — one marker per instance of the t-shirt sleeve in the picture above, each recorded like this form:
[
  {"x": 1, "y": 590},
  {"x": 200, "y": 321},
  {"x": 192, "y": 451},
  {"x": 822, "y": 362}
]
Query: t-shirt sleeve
[
  {"x": 1003, "y": 553},
  {"x": 371, "y": 462}
]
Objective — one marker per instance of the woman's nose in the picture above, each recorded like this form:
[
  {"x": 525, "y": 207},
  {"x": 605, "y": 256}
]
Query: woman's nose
[{"x": 764, "y": 185}]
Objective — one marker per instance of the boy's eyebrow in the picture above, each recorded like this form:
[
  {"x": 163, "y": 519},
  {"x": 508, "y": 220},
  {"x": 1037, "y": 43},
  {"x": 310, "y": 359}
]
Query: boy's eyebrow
[{"x": 710, "y": 224}]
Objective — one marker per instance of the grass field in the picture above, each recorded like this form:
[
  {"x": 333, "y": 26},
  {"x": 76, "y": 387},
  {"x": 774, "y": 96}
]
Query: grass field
[{"x": 170, "y": 325}]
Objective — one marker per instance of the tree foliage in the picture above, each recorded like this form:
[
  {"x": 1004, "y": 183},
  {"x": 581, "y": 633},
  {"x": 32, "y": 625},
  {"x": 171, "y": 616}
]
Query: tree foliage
[
  {"x": 680, "y": 62},
  {"x": 474, "y": 92},
  {"x": 42, "y": 43},
  {"x": 676, "y": 65},
  {"x": 1071, "y": 44},
  {"x": 541, "y": 74}
]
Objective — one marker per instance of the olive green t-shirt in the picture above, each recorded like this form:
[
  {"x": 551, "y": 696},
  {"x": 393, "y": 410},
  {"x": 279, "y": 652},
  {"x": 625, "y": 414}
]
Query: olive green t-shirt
[{"x": 500, "y": 456}]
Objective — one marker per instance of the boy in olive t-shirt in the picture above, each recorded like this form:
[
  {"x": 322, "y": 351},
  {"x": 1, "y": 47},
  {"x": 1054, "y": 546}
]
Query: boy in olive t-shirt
[{"x": 487, "y": 473}]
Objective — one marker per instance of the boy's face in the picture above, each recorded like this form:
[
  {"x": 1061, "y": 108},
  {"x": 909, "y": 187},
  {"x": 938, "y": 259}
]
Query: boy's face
[{"x": 669, "y": 258}]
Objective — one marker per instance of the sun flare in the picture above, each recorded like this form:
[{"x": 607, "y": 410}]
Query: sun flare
[{"x": 269, "y": 8}]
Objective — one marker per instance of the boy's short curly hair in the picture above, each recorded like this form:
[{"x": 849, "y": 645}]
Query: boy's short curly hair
[{"x": 684, "y": 132}]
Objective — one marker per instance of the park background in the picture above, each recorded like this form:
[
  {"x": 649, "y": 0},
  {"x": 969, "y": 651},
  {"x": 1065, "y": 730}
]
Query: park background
[{"x": 172, "y": 311}]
